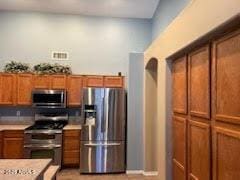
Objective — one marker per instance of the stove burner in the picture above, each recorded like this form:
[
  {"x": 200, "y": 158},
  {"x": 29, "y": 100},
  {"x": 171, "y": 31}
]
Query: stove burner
[{"x": 47, "y": 125}]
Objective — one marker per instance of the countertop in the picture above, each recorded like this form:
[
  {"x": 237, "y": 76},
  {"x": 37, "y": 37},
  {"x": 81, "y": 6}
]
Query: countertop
[
  {"x": 13, "y": 127},
  {"x": 73, "y": 127},
  {"x": 23, "y": 169}
]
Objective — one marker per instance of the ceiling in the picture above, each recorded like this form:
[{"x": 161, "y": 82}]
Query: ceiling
[{"x": 109, "y": 8}]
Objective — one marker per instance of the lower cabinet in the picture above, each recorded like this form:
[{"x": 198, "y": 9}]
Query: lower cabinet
[
  {"x": 199, "y": 150},
  {"x": 13, "y": 144},
  {"x": 179, "y": 148},
  {"x": 1, "y": 145},
  {"x": 226, "y": 146},
  {"x": 71, "y": 148}
]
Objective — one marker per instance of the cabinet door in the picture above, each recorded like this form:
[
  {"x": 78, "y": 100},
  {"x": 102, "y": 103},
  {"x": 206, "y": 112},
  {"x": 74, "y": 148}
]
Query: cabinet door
[
  {"x": 74, "y": 87},
  {"x": 199, "y": 151},
  {"x": 199, "y": 83},
  {"x": 58, "y": 82},
  {"x": 179, "y": 75},
  {"x": 179, "y": 147},
  {"x": 71, "y": 148},
  {"x": 226, "y": 146},
  {"x": 1, "y": 144},
  {"x": 12, "y": 148},
  {"x": 8, "y": 89},
  {"x": 24, "y": 89},
  {"x": 42, "y": 82},
  {"x": 113, "y": 81},
  {"x": 94, "y": 81},
  {"x": 226, "y": 78}
]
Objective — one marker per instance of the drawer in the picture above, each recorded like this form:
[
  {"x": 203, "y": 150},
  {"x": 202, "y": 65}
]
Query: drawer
[
  {"x": 13, "y": 133},
  {"x": 72, "y": 133}
]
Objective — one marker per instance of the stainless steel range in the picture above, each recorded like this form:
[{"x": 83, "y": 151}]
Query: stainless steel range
[{"x": 44, "y": 138}]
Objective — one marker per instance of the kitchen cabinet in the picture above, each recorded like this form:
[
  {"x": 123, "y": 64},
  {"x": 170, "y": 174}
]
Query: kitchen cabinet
[
  {"x": 74, "y": 90},
  {"x": 42, "y": 82},
  {"x": 7, "y": 89},
  {"x": 206, "y": 106},
  {"x": 226, "y": 106},
  {"x": 24, "y": 89},
  {"x": 199, "y": 147},
  {"x": 94, "y": 81},
  {"x": 1, "y": 144},
  {"x": 50, "y": 81},
  {"x": 58, "y": 82},
  {"x": 179, "y": 75},
  {"x": 71, "y": 148},
  {"x": 113, "y": 81},
  {"x": 13, "y": 144}
]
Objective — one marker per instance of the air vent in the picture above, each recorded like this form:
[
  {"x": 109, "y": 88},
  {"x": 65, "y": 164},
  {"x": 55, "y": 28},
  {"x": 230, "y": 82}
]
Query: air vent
[{"x": 59, "y": 55}]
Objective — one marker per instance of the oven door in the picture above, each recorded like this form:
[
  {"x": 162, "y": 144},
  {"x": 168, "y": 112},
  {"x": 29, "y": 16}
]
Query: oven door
[{"x": 50, "y": 151}]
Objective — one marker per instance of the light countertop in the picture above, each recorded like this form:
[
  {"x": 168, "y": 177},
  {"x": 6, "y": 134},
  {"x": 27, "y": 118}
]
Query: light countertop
[
  {"x": 13, "y": 127},
  {"x": 73, "y": 127},
  {"x": 23, "y": 169}
]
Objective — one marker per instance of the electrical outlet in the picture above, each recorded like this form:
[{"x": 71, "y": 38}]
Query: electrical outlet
[{"x": 18, "y": 113}]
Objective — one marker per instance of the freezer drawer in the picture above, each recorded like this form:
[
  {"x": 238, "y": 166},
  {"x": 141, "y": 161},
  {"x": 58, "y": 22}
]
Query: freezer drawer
[{"x": 102, "y": 157}]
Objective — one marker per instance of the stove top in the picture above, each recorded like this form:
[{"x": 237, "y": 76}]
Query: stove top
[{"x": 47, "y": 125}]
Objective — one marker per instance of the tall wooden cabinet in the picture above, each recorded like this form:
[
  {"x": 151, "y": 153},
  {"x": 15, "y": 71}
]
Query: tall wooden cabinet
[
  {"x": 226, "y": 107},
  {"x": 179, "y": 118},
  {"x": 199, "y": 114},
  {"x": 206, "y": 111}
]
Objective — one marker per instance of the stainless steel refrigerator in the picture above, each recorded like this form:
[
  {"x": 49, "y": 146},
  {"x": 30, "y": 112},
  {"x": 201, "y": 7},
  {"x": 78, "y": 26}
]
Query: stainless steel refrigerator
[{"x": 103, "y": 137}]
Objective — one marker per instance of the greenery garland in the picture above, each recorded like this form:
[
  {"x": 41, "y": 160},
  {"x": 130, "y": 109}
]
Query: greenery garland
[
  {"x": 42, "y": 68},
  {"x": 17, "y": 67}
]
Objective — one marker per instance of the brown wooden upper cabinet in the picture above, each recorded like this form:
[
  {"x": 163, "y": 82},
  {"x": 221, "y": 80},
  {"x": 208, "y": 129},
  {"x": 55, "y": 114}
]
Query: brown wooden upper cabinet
[
  {"x": 94, "y": 81},
  {"x": 41, "y": 82},
  {"x": 113, "y": 81},
  {"x": 58, "y": 81},
  {"x": 50, "y": 81},
  {"x": 179, "y": 75},
  {"x": 74, "y": 88},
  {"x": 13, "y": 144},
  {"x": 24, "y": 89},
  {"x": 7, "y": 89}
]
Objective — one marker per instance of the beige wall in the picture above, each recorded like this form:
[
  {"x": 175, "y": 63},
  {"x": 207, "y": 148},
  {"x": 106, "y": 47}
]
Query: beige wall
[
  {"x": 150, "y": 148},
  {"x": 198, "y": 18}
]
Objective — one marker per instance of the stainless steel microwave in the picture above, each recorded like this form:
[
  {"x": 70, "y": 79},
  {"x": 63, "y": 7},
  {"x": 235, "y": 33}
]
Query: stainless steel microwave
[{"x": 49, "y": 98}]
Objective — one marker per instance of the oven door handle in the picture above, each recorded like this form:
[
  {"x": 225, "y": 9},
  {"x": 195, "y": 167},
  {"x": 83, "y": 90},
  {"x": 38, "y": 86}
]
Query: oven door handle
[
  {"x": 47, "y": 132},
  {"x": 42, "y": 146},
  {"x": 102, "y": 144}
]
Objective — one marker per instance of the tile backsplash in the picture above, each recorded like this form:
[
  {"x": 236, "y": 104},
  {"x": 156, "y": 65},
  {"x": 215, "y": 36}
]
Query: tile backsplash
[{"x": 25, "y": 115}]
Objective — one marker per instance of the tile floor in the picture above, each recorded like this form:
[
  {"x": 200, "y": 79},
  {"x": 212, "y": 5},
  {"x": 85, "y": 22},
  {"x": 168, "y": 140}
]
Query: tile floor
[{"x": 73, "y": 174}]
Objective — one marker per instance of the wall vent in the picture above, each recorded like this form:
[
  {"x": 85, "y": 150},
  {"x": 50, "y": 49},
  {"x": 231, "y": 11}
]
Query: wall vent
[{"x": 59, "y": 55}]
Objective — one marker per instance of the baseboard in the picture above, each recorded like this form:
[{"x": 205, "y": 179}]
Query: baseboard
[
  {"x": 150, "y": 173},
  {"x": 145, "y": 173},
  {"x": 134, "y": 171}
]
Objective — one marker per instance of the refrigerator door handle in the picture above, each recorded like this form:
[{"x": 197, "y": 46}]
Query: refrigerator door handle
[{"x": 99, "y": 144}]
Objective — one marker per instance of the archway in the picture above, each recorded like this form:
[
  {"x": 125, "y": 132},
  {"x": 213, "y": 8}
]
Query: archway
[{"x": 150, "y": 123}]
